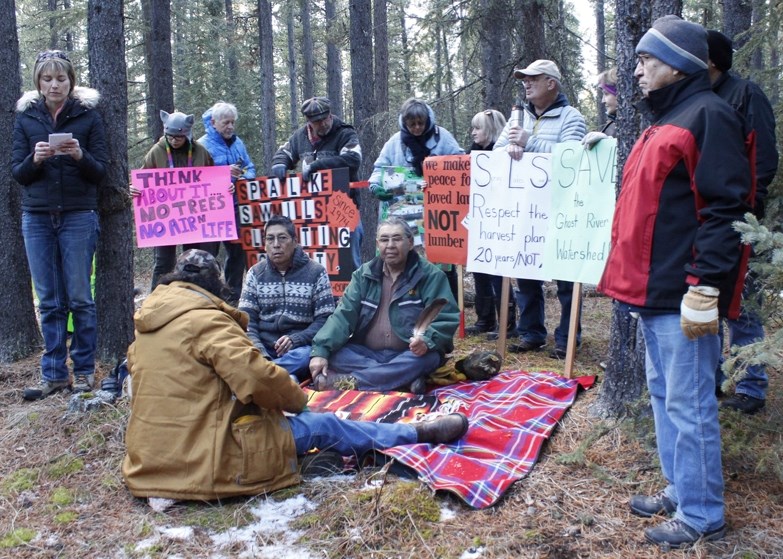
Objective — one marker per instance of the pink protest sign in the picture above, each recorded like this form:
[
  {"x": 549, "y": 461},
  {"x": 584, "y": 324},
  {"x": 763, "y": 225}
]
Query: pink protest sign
[{"x": 183, "y": 205}]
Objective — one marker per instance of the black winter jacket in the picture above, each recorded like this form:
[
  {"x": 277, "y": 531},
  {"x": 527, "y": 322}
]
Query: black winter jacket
[
  {"x": 60, "y": 183},
  {"x": 685, "y": 182},
  {"x": 749, "y": 101}
]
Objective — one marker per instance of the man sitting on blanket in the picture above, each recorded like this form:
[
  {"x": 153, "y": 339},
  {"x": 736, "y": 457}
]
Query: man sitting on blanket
[
  {"x": 369, "y": 343},
  {"x": 207, "y": 417},
  {"x": 288, "y": 298}
]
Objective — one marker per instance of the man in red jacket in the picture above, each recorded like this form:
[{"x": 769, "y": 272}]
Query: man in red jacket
[{"x": 677, "y": 261}]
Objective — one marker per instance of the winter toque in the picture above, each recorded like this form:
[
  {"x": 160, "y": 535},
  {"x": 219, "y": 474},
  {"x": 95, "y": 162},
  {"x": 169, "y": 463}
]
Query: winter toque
[
  {"x": 676, "y": 42},
  {"x": 316, "y": 108},
  {"x": 721, "y": 50},
  {"x": 195, "y": 261},
  {"x": 176, "y": 123}
]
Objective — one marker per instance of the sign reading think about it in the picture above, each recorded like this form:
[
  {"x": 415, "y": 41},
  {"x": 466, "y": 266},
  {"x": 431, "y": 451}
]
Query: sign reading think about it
[{"x": 183, "y": 205}]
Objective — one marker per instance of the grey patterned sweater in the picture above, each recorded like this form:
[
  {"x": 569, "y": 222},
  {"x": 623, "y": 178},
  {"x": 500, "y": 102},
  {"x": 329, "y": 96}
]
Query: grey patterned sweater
[{"x": 295, "y": 304}]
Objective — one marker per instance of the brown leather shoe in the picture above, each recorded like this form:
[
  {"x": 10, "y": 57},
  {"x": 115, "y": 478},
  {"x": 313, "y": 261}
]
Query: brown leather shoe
[{"x": 441, "y": 429}]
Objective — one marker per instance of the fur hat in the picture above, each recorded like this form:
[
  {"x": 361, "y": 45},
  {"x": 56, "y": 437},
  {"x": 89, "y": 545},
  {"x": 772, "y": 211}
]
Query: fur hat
[
  {"x": 195, "y": 261},
  {"x": 176, "y": 123},
  {"x": 676, "y": 42},
  {"x": 316, "y": 108},
  {"x": 721, "y": 50}
]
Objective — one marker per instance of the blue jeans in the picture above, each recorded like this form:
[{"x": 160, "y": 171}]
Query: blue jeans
[
  {"x": 681, "y": 382},
  {"x": 325, "y": 431},
  {"x": 383, "y": 370},
  {"x": 531, "y": 303},
  {"x": 60, "y": 249},
  {"x": 356, "y": 244},
  {"x": 745, "y": 330},
  {"x": 296, "y": 361},
  {"x": 234, "y": 269}
]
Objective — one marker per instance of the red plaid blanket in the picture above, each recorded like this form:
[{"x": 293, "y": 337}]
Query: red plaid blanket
[{"x": 511, "y": 415}]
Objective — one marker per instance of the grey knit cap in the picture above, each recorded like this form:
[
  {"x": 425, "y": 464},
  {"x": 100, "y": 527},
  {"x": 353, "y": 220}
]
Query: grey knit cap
[
  {"x": 176, "y": 123},
  {"x": 680, "y": 44}
]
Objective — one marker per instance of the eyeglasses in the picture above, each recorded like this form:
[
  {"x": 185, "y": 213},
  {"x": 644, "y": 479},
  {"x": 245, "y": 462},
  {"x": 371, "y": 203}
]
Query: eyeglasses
[
  {"x": 395, "y": 239},
  {"x": 172, "y": 137},
  {"x": 48, "y": 54},
  {"x": 277, "y": 239}
]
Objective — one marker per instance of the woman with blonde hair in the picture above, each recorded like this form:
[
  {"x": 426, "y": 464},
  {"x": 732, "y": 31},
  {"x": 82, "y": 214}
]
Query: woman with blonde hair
[
  {"x": 60, "y": 158},
  {"x": 486, "y": 126}
]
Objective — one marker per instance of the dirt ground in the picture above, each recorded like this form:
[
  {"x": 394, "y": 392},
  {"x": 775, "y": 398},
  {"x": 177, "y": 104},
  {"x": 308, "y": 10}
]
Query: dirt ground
[{"x": 62, "y": 495}]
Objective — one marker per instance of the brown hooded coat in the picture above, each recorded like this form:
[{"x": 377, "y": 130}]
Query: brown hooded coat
[{"x": 195, "y": 373}]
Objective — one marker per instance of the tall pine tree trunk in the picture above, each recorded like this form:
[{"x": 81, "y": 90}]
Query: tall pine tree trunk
[
  {"x": 624, "y": 378},
  {"x": 19, "y": 335},
  {"x": 364, "y": 108},
  {"x": 233, "y": 67},
  {"x": 157, "y": 51},
  {"x": 334, "y": 65},
  {"x": 267, "y": 91},
  {"x": 293, "y": 96},
  {"x": 600, "y": 34},
  {"x": 381, "y": 41},
  {"x": 114, "y": 259},
  {"x": 308, "y": 77}
]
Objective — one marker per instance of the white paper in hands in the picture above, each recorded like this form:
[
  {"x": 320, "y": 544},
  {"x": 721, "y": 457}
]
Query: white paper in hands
[{"x": 57, "y": 140}]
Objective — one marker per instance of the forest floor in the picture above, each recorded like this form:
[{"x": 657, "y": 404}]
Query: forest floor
[{"x": 62, "y": 494}]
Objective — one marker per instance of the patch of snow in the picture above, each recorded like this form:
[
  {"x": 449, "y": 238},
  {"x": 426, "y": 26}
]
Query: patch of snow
[
  {"x": 143, "y": 545},
  {"x": 447, "y": 514},
  {"x": 472, "y": 553},
  {"x": 182, "y": 533},
  {"x": 273, "y": 524}
]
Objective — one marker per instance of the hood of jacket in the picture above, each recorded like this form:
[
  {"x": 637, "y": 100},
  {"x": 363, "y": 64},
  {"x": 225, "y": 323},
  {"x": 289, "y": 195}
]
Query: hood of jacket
[
  {"x": 169, "y": 302},
  {"x": 560, "y": 101},
  {"x": 431, "y": 115},
  {"x": 86, "y": 96}
]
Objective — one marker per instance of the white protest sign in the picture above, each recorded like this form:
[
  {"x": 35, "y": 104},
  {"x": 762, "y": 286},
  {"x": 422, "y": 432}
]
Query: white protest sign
[
  {"x": 583, "y": 197},
  {"x": 509, "y": 214}
]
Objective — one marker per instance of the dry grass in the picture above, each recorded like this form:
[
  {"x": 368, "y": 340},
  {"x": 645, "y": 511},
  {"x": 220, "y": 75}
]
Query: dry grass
[{"x": 61, "y": 489}]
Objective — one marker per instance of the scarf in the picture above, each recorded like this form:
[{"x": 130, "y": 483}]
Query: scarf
[{"x": 418, "y": 146}]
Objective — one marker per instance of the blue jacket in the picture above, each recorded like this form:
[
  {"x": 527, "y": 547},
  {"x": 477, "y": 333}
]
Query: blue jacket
[
  {"x": 560, "y": 122},
  {"x": 60, "y": 183},
  {"x": 395, "y": 154},
  {"x": 223, "y": 152}
]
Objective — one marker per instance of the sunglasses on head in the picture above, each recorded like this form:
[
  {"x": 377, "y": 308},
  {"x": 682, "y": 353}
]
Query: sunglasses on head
[{"x": 49, "y": 54}]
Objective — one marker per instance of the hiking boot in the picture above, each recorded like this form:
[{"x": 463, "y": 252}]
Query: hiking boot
[
  {"x": 83, "y": 383},
  {"x": 744, "y": 403},
  {"x": 558, "y": 353},
  {"x": 419, "y": 386},
  {"x": 323, "y": 463},
  {"x": 493, "y": 336},
  {"x": 645, "y": 506},
  {"x": 525, "y": 345},
  {"x": 441, "y": 429},
  {"x": 44, "y": 388},
  {"x": 674, "y": 534}
]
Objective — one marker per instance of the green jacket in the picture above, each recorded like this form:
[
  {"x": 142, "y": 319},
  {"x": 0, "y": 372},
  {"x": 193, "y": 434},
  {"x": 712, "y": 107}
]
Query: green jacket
[{"x": 420, "y": 284}]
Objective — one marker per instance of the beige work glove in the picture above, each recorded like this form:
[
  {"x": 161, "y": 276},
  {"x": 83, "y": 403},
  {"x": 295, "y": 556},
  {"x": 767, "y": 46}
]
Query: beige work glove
[{"x": 699, "y": 311}]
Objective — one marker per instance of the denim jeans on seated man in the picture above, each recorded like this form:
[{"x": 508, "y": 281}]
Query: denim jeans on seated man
[
  {"x": 681, "y": 382},
  {"x": 532, "y": 304},
  {"x": 326, "y": 432},
  {"x": 295, "y": 361},
  {"x": 60, "y": 249},
  {"x": 382, "y": 370}
]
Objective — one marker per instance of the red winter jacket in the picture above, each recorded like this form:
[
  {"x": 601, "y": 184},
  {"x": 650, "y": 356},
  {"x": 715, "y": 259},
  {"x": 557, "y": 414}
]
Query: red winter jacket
[{"x": 687, "y": 179}]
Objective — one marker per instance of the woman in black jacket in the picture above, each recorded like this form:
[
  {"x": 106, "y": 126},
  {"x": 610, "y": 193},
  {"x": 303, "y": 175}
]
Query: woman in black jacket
[{"x": 59, "y": 158}]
